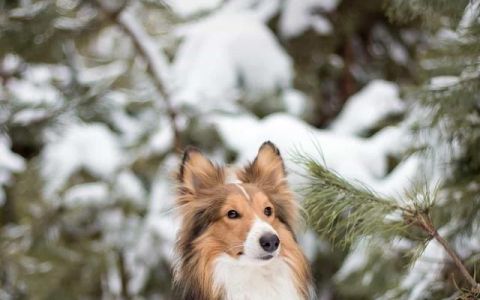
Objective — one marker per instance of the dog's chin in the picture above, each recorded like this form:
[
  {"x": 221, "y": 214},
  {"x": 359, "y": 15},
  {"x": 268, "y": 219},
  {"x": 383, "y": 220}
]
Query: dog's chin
[{"x": 261, "y": 259}]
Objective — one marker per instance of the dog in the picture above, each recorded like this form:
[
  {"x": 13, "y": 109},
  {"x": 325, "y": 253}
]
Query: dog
[{"x": 237, "y": 239}]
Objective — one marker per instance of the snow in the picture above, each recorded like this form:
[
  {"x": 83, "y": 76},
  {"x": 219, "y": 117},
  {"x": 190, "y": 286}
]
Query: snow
[
  {"x": 87, "y": 194},
  {"x": 295, "y": 102},
  {"x": 9, "y": 163},
  {"x": 425, "y": 271},
  {"x": 92, "y": 147},
  {"x": 299, "y": 16},
  {"x": 37, "y": 85},
  {"x": 321, "y": 25},
  {"x": 263, "y": 10},
  {"x": 442, "y": 82},
  {"x": 27, "y": 116},
  {"x": 162, "y": 139},
  {"x": 121, "y": 230},
  {"x": 102, "y": 72},
  {"x": 81, "y": 19},
  {"x": 29, "y": 93},
  {"x": 354, "y": 261},
  {"x": 470, "y": 15},
  {"x": 226, "y": 55},
  {"x": 128, "y": 186},
  {"x": 10, "y": 63},
  {"x": 367, "y": 108},
  {"x": 111, "y": 42},
  {"x": 158, "y": 229},
  {"x": 157, "y": 61},
  {"x": 188, "y": 8},
  {"x": 353, "y": 157}
]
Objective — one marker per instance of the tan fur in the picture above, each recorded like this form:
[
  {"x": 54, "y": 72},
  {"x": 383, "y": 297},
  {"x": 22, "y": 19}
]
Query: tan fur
[{"x": 207, "y": 232}]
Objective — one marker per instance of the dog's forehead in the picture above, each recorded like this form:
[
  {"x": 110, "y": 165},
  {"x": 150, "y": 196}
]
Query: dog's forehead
[{"x": 248, "y": 192}]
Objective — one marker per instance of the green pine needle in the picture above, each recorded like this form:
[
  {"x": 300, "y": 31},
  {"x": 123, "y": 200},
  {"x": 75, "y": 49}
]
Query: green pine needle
[{"x": 343, "y": 212}]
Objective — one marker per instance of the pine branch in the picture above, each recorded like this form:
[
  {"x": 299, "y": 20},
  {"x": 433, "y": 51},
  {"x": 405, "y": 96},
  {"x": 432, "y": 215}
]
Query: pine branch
[
  {"x": 336, "y": 208},
  {"x": 156, "y": 63}
]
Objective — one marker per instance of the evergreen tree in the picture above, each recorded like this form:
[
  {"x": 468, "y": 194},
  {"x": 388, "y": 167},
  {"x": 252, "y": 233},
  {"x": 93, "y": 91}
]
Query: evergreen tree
[{"x": 424, "y": 244}]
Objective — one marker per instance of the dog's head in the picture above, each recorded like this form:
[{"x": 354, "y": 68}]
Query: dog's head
[{"x": 252, "y": 220}]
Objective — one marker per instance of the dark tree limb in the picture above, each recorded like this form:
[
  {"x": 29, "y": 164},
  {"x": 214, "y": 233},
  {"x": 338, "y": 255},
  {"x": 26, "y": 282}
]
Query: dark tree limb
[{"x": 146, "y": 48}]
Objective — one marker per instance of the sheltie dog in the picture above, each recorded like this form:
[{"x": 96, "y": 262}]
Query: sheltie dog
[{"x": 237, "y": 239}]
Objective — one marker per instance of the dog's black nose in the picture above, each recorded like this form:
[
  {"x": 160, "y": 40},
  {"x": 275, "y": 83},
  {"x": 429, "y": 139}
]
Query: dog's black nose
[{"x": 269, "y": 242}]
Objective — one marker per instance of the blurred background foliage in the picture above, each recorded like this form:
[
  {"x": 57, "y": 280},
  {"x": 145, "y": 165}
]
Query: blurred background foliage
[{"x": 98, "y": 97}]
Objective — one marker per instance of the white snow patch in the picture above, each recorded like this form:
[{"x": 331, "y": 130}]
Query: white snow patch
[
  {"x": 162, "y": 139},
  {"x": 470, "y": 16},
  {"x": 37, "y": 85},
  {"x": 442, "y": 82},
  {"x": 321, "y": 25},
  {"x": 225, "y": 55},
  {"x": 368, "y": 107},
  {"x": 187, "y": 8},
  {"x": 299, "y": 16},
  {"x": 158, "y": 230},
  {"x": 425, "y": 271},
  {"x": 87, "y": 194},
  {"x": 111, "y": 43},
  {"x": 10, "y": 63},
  {"x": 353, "y": 157},
  {"x": 129, "y": 187},
  {"x": 109, "y": 71},
  {"x": 91, "y": 147},
  {"x": 9, "y": 163},
  {"x": 29, "y": 115},
  {"x": 31, "y": 93},
  {"x": 356, "y": 260},
  {"x": 295, "y": 102}
]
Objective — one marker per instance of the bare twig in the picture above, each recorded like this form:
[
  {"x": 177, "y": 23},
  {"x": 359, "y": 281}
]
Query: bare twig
[
  {"x": 426, "y": 224},
  {"x": 147, "y": 49},
  {"x": 458, "y": 262}
]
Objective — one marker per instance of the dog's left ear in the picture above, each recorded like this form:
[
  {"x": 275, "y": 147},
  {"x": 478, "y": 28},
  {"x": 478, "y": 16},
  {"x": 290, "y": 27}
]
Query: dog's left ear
[{"x": 267, "y": 170}]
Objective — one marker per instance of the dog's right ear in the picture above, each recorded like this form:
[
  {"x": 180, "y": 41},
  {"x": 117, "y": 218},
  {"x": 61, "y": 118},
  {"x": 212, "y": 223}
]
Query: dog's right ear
[{"x": 197, "y": 172}]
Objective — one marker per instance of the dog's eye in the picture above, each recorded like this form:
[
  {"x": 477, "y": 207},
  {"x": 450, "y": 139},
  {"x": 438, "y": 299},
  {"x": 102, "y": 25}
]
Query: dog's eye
[
  {"x": 233, "y": 214},
  {"x": 267, "y": 211}
]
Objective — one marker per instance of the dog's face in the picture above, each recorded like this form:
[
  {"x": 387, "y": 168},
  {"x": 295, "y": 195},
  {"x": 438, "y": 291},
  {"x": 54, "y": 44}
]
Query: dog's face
[
  {"x": 246, "y": 224},
  {"x": 251, "y": 220}
]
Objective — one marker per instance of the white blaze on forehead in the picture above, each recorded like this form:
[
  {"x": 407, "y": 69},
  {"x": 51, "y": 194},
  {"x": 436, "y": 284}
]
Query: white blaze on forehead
[
  {"x": 231, "y": 176},
  {"x": 244, "y": 192},
  {"x": 233, "y": 179}
]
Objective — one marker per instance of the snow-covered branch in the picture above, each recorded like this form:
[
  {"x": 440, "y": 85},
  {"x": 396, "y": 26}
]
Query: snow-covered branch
[{"x": 156, "y": 62}]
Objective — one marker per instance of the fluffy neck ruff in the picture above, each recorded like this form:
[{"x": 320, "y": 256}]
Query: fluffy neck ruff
[
  {"x": 213, "y": 275},
  {"x": 239, "y": 279}
]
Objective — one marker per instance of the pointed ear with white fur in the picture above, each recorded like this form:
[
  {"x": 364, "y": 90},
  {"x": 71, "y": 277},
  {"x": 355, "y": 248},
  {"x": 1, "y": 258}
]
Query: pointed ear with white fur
[
  {"x": 198, "y": 173},
  {"x": 267, "y": 170}
]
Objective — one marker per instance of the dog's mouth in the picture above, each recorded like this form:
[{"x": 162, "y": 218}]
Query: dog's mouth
[{"x": 265, "y": 257}]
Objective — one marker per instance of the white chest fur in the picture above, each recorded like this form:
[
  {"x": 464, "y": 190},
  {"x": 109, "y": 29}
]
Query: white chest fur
[{"x": 246, "y": 280}]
